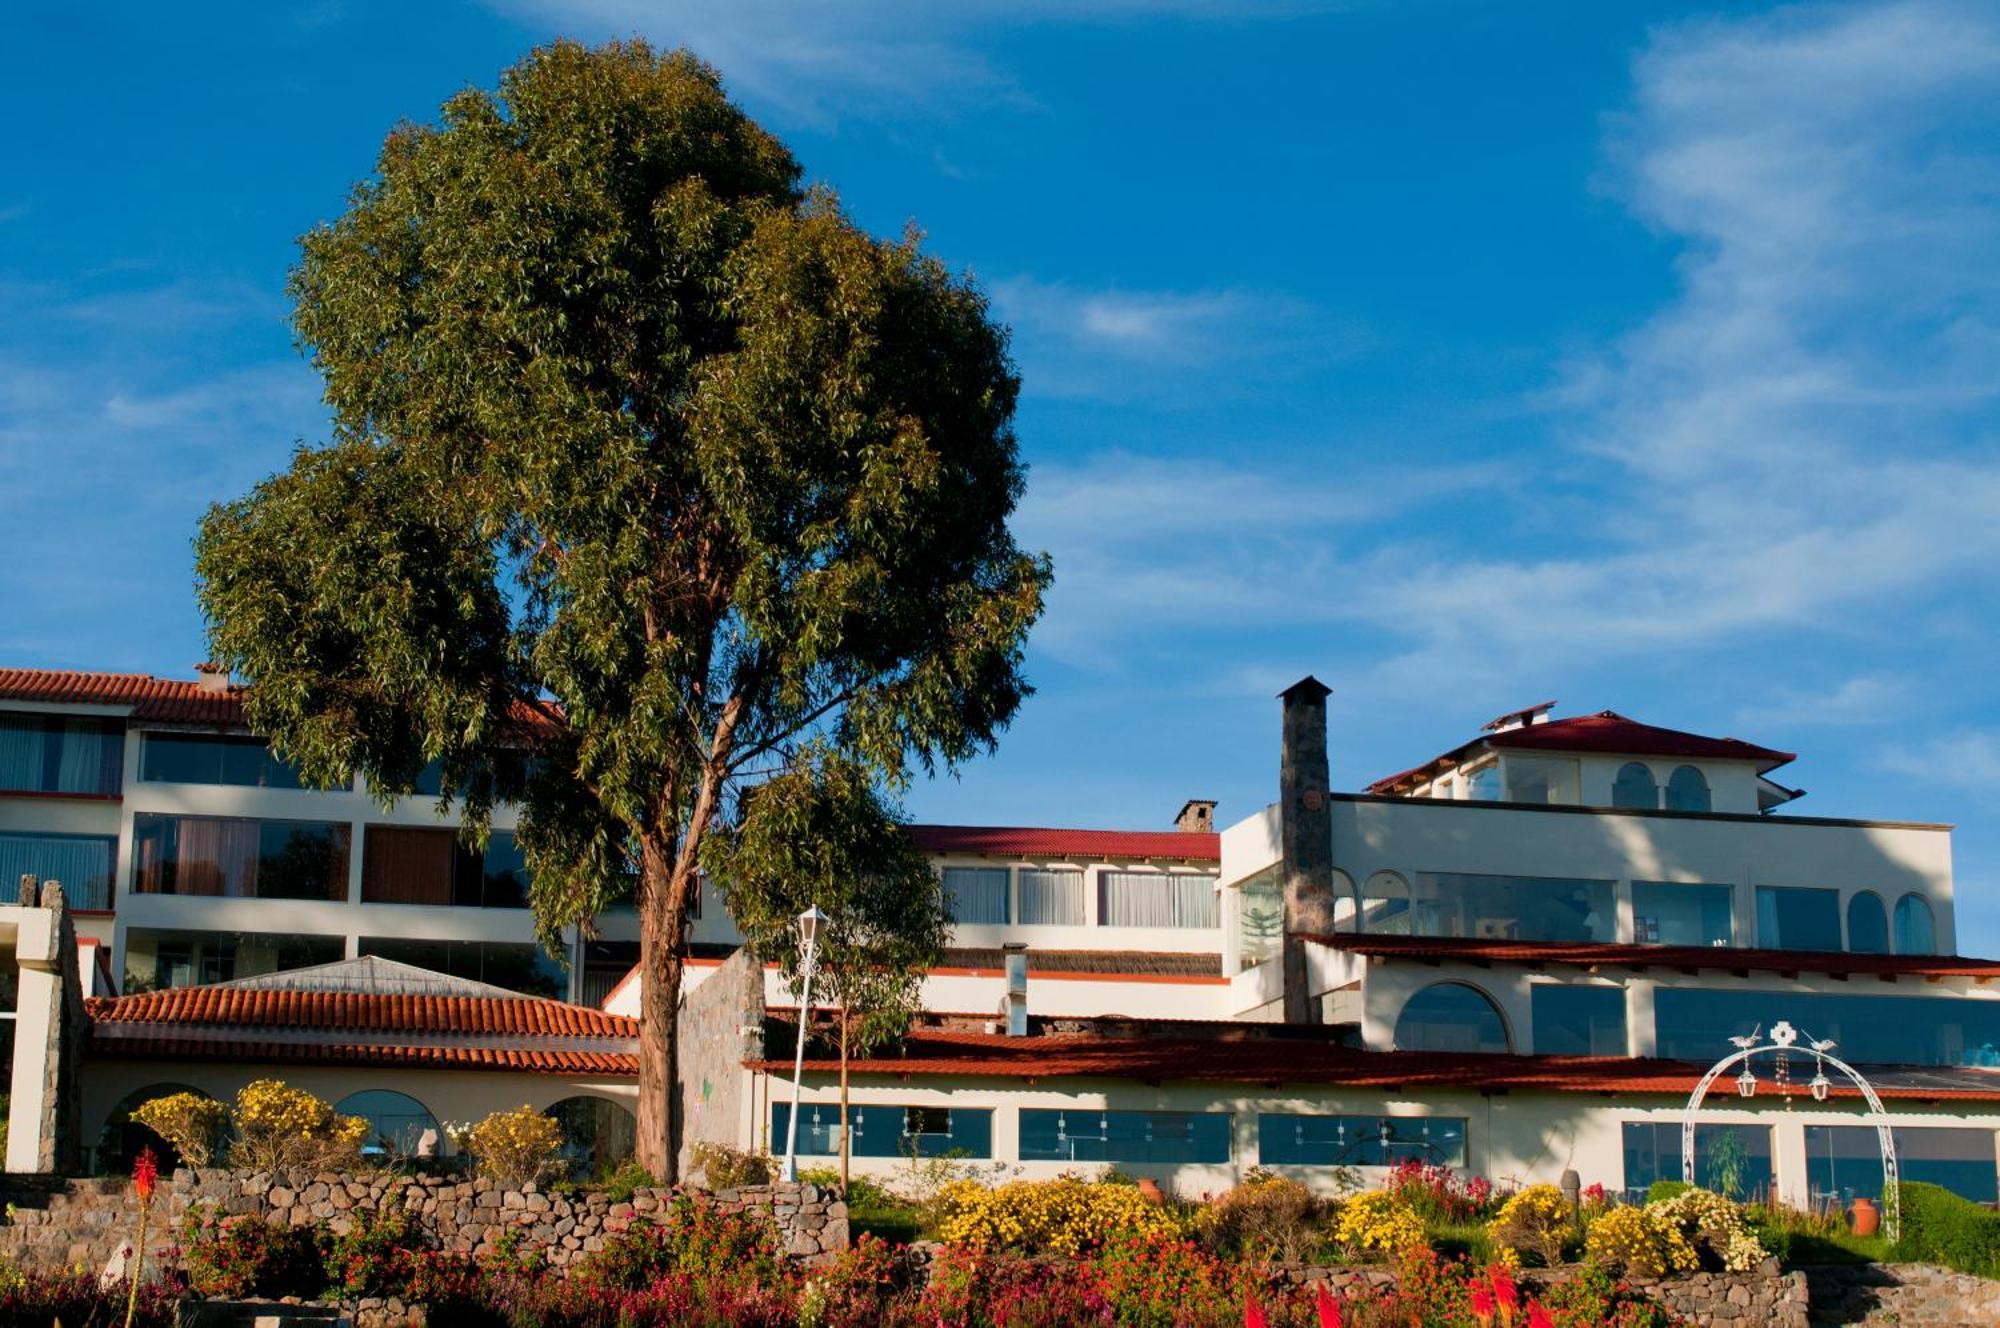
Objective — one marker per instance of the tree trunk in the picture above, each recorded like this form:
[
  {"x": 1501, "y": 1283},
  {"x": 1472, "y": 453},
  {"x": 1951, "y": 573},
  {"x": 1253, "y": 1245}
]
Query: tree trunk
[
  {"x": 661, "y": 955},
  {"x": 843, "y": 1095}
]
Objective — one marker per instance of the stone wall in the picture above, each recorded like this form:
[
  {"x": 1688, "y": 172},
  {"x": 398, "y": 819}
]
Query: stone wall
[
  {"x": 721, "y": 1027},
  {"x": 1911, "y": 1295},
  {"x": 85, "y": 1222}
]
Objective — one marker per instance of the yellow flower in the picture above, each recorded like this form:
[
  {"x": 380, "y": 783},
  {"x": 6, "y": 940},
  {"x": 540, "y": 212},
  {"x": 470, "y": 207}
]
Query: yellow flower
[{"x": 1379, "y": 1221}]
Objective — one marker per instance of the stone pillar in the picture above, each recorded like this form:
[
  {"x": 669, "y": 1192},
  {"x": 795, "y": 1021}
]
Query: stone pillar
[
  {"x": 1305, "y": 819},
  {"x": 45, "y": 1125}
]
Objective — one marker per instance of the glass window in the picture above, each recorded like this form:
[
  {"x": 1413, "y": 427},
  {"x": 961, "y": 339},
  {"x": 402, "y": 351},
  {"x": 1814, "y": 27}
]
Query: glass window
[
  {"x": 605, "y": 964},
  {"x": 965, "y": 1132},
  {"x": 1577, "y": 1020},
  {"x": 1845, "y": 1161},
  {"x": 523, "y": 968},
  {"x": 1483, "y": 784},
  {"x": 1124, "y": 1136},
  {"x": 1450, "y": 1016},
  {"x": 1693, "y": 1024},
  {"x": 205, "y": 758},
  {"x": 599, "y": 1135},
  {"x": 81, "y": 862},
  {"x": 397, "y": 1122},
  {"x": 1260, "y": 917},
  {"x": 977, "y": 894},
  {"x": 60, "y": 754},
  {"x": 1797, "y": 919},
  {"x": 1734, "y": 1160},
  {"x": 1542, "y": 779},
  {"x": 1359, "y": 1141},
  {"x": 241, "y": 858},
  {"x": 1156, "y": 899},
  {"x": 1916, "y": 934},
  {"x": 1635, "y": 787},
  {"x": 1515, "y": 908},
  {"x": 406, "y": 866},
  {"x": 159, "y": 958},
  {"x": 1867, "y": 924},
  {"x": 1671, "y": 913},
  {"x": 1687, "y": 790},
  {"x": 1385, "y": 905},
  {"x": 1052, "y": 898}
]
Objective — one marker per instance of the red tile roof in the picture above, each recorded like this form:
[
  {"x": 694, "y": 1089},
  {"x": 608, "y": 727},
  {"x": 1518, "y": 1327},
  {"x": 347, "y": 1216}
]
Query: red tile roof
[
  {"x": 427, "y": 1057},
  {"x": 1274, "y": 1061},
  {"x": 1604, "y": 733},
  {"x": 1588, "y": 955},
  {"x": 167, "y": 700},
  {"x": 1068, "y": 845},
  {"x": 241, "y": 1007}
]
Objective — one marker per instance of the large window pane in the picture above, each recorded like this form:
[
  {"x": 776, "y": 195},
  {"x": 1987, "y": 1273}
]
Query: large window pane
[
  {"x": 977, "y": 894},
  {"x": 201, "y": 758},
  {"x": 1542, "y": 779},
  {"x": 81, "y": 862},
  {"x": 1052, "y": 898},
  {"x": 1260, "y": 918},
  {"x": 158, "y": 958},
  {"x": 397, "y": 1122},
  {"x": 523, "y": 968},
  {"x": 965, "y": 1132},
  {"x": 208, "y": 855},
  {"x": 1729, "y": 1159},
  {"x": 60, "y": 754},
  {"x": 405, "y": 866},
  {"x": 1124, "y": 1136},
  {"x": 1916, "y": 934},
  {"x": 1867, "y": 924},
  {"x": 1670, "y": 913},
  {"x": 1693, "y": 1024},
  {"x": 1515, "y": 908},
  {"x": 1156, "y": 899},
  {"x": 1578, "y": 1020},
  {"x": 1845, "y": 1161},
  {"x": 1635, "y": 788},
  {"x": 1687, "y": 790},
  {"x": 1359, "y": 1141},
  {"x": 1385, "y": 905},
  {"x": 1450, "y": 1016},
  {"x": 1797, "y": 919}
]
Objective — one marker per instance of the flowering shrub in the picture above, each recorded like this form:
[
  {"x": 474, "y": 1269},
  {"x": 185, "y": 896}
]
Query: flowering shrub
[
  {"x": 726, "y": 1168},
  {"x": 375, "y": 1255},
  {"x": 1159, "y": 1280},
  {"x": 516, "y": 1146},
  {"x": 1379, "y": 1222},
  {"x": 1535, "y": 1222},
  {"x": 1717, "y": 1228},
  {"x": 193, "y": 1124},
  {"x": 1266, "y": 1217},
  {"x": 1438, "y": 1193},
  {"x": 232, "y": 1257},
  {"x": 1640, "y": 1240},
  {"x": 75, "y": 1298},
  {"x": 1066, "y": 1217},
  {"x": 280, "y": 1128},
  {"x": 691, "y": 1239}
]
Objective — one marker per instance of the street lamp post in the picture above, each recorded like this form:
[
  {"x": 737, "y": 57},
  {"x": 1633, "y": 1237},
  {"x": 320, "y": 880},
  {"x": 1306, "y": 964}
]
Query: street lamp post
[{"x": 809, "y": 925}]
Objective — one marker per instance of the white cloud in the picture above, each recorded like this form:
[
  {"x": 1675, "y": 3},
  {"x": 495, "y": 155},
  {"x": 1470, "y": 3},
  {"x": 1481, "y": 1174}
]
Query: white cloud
[
  {"x": 1968, "y": 759},
  {"x": 1860, "y": 700}
]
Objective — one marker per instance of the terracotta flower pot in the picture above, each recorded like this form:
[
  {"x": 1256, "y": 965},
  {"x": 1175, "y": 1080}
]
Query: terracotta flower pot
[
  {"x": 1151, "y": 1189},
  {"x": 1866, "y": 1217}
]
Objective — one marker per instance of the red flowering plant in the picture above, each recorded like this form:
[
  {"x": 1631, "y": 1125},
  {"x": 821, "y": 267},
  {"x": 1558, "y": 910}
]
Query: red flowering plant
[
  {"x": 1439, "y": 1194},
  {"x": 377, "y": 1254}
]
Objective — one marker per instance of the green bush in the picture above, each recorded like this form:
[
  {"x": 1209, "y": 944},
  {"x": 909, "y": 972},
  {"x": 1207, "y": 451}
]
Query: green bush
[
  {"x": 232, "y": 1257},
  {"x": 619, "y": 1186},
  {"x": 1662, "y": 1190},
  {"x": 1940, "y": 1227}
]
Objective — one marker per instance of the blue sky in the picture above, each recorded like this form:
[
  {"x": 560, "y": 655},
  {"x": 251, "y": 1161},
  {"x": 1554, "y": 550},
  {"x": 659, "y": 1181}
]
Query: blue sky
[{"x": 1466, "y": 355}]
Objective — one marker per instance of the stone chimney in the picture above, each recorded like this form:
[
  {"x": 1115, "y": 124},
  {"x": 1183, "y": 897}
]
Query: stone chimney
[
  {"x": 1305, "y": 830},
  {"x": 210, "y": 677},
  {"x": 1196, "y": 816}
]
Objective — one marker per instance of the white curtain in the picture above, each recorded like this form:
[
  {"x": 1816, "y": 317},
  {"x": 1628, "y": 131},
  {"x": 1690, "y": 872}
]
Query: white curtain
[
  {"x": 1157, "y": 899},
  {"x": 1052, "y": 898},
  {"x": 976, "y": 894},
  {"x": 22, "y": 752}
]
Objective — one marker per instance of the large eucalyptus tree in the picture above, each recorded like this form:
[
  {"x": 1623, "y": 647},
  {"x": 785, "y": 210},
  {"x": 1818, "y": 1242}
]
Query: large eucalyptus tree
[{"x": 647, "y": 470}]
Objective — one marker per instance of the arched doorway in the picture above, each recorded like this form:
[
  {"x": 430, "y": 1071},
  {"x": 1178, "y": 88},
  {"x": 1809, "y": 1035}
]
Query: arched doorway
[
  {"x": 396, "y": 1121},
  {"x": 121, "y": 1139},
  {"x": 599, "y": 1135}
]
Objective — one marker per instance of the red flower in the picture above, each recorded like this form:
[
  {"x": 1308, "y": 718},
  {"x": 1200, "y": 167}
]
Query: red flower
[
  {"x": 1504, "y": 1291},
  {"x": 1327, "y": 1307},
  {"x": 1539, "y": 1317},
  {"x": 1253, "y": 1315},
  {"x": 145, "y": 1175},
  {"x": 1482, "y": 1306}
]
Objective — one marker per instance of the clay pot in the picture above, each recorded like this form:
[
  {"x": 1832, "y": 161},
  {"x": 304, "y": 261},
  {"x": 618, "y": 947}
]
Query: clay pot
[
  {"x": 1866, "y": 1217},
  {"x": 1151, "y": 1189}
]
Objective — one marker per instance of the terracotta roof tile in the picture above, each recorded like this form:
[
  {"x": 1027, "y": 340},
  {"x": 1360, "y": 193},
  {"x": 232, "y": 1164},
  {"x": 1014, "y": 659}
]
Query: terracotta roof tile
[
  {"x": 1606, "y": 732},
  {"x": 1722, "y": 958},
  {"x": 167, "y": 700},
  {"x": 1068, "y": 845},
  {"x": 441, "y": 1057},
  {"x": 359, "y": 1012}
]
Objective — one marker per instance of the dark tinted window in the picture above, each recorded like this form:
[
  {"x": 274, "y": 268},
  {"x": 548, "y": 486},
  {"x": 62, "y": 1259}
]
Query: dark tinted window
[
  {"x": 1359, "y": 1141},
  {"x": 1124, "y": 1136},
  {"x": 202, "y": 758},
  {"x": 59, "y": 754},
  {"x": 1578, "y": 1020}
]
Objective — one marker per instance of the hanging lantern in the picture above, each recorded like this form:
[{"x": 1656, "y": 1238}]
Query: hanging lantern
[
  {"x": 1821, "y": 1086},
  {"x": 1746, "y": 1083}
]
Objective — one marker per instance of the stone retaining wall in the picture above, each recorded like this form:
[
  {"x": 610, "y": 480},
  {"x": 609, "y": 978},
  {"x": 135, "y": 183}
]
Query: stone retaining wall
[{"x": 84, "y": 1222}]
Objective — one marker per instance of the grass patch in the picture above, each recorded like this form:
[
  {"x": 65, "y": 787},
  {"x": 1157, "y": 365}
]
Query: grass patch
[{"x": 1468, "y": 1239}]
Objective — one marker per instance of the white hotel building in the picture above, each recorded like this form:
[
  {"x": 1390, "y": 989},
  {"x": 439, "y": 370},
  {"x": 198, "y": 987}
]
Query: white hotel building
[{"x": 1516, "y": 958}]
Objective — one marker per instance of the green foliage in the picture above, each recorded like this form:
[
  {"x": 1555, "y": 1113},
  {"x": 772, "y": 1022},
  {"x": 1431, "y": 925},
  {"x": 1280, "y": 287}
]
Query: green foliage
[
  {"x": 1808, "y": 1239},
  {"x": 373, "y": 1256},
  {"x": 1940, "y": 1227},
  {"x": 648, "y": 472},
  {"x": 626, "y": 1181},
  {"x": 1727, "y": 1162},
  {"x": 726, "y": 1168},
  {"x": 690, "y": 1239},
  {"x": 232, "y": 1257},
  {"x": 1666, "y": 1189}
]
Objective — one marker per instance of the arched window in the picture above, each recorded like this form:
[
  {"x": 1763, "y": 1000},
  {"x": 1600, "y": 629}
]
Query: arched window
[
  {"x": 1385, "y": 905},
  {"x": 1346, "y": 904},
  {"x": 1867, "y": 924},
  {"x": 1635, "y": 787},
  {"x": 1916, "y": 931},
  {"x": 1451, "y": 1016},
  {"x": 1687, "y": 790},
  {"x": 599, "y": 1135},
  {"x": 119, "y": 1142},
  {"x": 396, "y": 1121}
]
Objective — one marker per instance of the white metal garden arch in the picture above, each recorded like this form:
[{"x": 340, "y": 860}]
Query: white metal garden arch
[{"x": 1783, "y": 1036}]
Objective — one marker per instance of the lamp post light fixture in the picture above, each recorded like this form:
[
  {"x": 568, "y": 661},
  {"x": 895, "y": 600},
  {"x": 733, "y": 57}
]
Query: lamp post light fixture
[
  {"x": 1746, "y": 1083},
  {"x": 809, "y": 928}
]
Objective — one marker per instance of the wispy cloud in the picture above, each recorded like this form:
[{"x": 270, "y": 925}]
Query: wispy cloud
[{"x": 1967, "y": 760}]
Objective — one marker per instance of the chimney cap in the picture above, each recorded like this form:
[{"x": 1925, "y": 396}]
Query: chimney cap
[
  {"x": 1307, "y": 688},
  {"x": 211, "y": 677}
]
